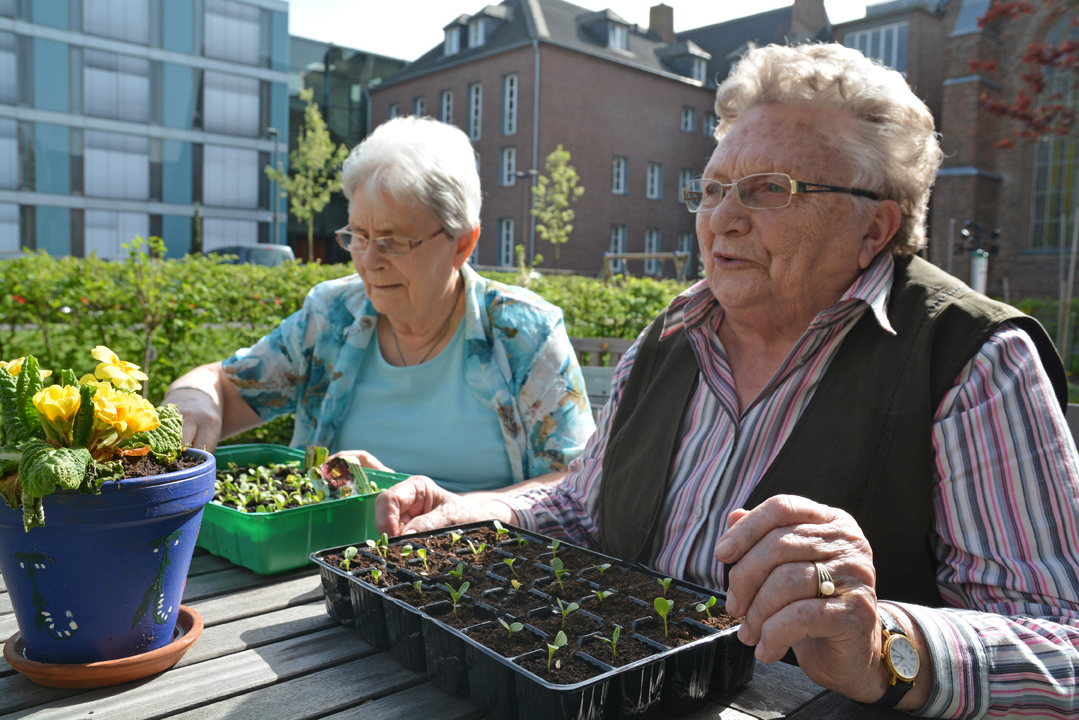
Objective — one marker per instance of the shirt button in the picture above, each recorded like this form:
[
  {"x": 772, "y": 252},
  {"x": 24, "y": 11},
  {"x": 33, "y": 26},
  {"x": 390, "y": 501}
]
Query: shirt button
[{"x": 698, "y": 511}]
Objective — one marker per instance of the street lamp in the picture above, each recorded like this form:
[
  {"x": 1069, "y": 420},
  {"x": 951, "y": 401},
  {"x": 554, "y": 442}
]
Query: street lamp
[
  {"x": 979, "y": 252},
  {"x": 273, "y": 183},
  {"x": 525, "y": 214}
]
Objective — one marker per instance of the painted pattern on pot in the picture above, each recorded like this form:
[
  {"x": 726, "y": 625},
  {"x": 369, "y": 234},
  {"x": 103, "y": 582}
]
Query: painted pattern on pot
[
  {"x": 160, "y": 545},
  {"x": 34, "y": 563}
]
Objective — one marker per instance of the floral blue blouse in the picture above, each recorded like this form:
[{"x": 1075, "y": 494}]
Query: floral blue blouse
[{"x": 519, "y": 363}]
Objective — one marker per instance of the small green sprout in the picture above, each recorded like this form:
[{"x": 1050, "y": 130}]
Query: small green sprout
[
  {"x": 566, "y": 610},
  {"x": 379, "y": 546},
  {"x": 459, "y": 572},
  {"x": 613, "y": 642},
  {"x": 703, "y": 607},
  {"x": 422, "y": 555},
  {"x": 521, "y": 540},
  {"x": 350, "y": 552},
  {"x": 603, "y": 568},
  {"x": 376, "y": 574},
  {"x": 666, "y": 583},
  {"x": 454, "y": 537},
  {"x": 515, "y": 627},
  {"x": 406, "y": 550},
  {"x": 499, "y": 530},
  {"x": 516, "y": 585},
  {"x": 559, "y": 641},
  {"x": 663, "y": 606},
  {"x": 476, "y": 549},
  {"x": 419, "y": 586},
  {"x": 559, "y": 571},
  {"x": 456, "y": 594},
  {"x": 602, "y": 594},
  {"x": 553, "y": 547},
  {"x": 510, "y": 561}
]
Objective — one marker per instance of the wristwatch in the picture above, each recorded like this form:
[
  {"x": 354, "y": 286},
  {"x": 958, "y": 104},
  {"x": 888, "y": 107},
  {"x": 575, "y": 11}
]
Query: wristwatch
[{"x": 900, "y": 657}]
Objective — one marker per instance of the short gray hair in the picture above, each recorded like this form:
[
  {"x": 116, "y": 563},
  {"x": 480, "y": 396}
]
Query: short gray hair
[
  {"x": 419, "y": 161},
  {"x": 894, "y": 149}
]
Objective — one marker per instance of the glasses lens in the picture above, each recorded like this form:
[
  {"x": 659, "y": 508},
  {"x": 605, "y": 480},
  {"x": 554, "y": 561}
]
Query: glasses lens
[
  {"x": 345, "y": 239},
  {"x": 703, "y": 195},
  {"x": 766, "y": 191},
  {"x": 394, "y": 246}
]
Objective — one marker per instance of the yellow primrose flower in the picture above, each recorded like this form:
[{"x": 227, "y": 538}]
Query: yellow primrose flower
[
  {"x": 139, "y": 414},
  {"x": 15, "y": 367},
  {"x": 58, "y": 404},
  {"x": 125, "y": 413},
  {"x": 122, "y": 374}
]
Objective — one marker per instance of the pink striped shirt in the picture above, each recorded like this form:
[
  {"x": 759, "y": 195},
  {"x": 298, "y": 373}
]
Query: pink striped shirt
[{"x": 1006, "y": 525}]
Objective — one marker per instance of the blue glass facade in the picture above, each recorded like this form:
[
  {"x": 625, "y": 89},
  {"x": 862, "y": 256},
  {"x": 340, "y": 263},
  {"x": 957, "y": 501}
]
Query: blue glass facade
[
  {"x": 178, "y": 95},
  {"x": 52, "y": 159},
  {"x": 53, "y": 230},
  {"x": 51, "y": 68}
]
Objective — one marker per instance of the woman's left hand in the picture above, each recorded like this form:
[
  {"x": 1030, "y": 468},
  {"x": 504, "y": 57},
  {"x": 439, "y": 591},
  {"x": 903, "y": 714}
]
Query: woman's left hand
[
  {"x": 775, "y": 586},
  {"x": 364, "y": 458}
]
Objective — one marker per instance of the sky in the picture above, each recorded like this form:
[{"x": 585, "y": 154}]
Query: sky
[{"x": 408, "y": 29}]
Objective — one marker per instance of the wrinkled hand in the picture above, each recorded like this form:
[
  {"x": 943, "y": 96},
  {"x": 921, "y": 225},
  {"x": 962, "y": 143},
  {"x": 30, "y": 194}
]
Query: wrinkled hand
[
  {"x": 364, "y": 458},
  {"x": 774, "y": 584},
  {"x": 418, "y": 504},
  {"x": 202, "y": 419}
]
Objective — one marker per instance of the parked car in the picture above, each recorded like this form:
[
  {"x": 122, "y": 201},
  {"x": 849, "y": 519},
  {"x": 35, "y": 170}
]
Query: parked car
[{"x": 255, "y": 254}]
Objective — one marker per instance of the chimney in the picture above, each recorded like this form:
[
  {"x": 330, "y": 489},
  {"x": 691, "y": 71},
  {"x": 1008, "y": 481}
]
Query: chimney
[{"x": 661, "y": 22}]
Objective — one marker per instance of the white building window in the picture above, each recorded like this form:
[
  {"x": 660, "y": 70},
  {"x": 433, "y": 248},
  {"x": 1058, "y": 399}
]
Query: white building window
[
  {"x": 685, "y": 242},
  {"x": 475, "y": 110},
  {"x": 232, "y": 31},
  {"x": 452, "y": 43},
  {"x": 654, "y": 182},
  {"x": 106, "y": 232},
  {"x": 445, "y": 107},
  {"x": 887, "y": 43},
  {"x": 689, "y": 119},
  {"x": 509, "y": 104},
  {"x": 476, "y": 33},
  {"x": 219, "y": 233},
  {"x": 394, "y": 111},
  {"x": 230, "y": 177},
  {"x": 116, "y": 165},
  {"x": 120, "y": 19},
  {"x": 116, "y": 86},
  {"x": 419, "y": 107},
  {"x": 9, "y": 228},
  {"x": 684, "y": 177},
  {"x": 618, "y": 176},
  {"x": 230, "y": 104},
  {"x": 710, "y": 123},
  {"x": 700, "y": 70},
  {"x": 651, "y": 245},
  {"x": 508, "y": 172},
  {"x": 505, "y": 242},
  {"x": 618, "y": 245},
  {"x": 617, "y": 36}
]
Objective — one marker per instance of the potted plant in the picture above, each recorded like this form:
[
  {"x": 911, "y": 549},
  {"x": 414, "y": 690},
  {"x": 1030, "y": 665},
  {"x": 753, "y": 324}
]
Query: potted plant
[{"x": 102, "y": 511}]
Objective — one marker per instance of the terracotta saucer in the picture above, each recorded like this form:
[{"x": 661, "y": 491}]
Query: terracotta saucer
[{"x": 111, "y": 672}]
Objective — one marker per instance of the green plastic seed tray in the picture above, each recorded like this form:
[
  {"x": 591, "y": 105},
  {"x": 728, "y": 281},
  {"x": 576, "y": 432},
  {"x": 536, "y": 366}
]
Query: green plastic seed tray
[{"x": 269, "y": 543}]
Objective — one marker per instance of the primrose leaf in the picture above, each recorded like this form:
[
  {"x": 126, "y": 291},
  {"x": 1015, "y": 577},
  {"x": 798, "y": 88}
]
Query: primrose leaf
[
  {"x": 43, "y": 469},
  {"x": 68, "y": 377},
  {"x": 28, "y": 385},
  {"x": 14, "y": 430},
  {"x": 83, "y": 424},
  {"x": 11, "y": 490},
  {"x": 97, "y": 473},
  {"x": 165, "y": 441}
]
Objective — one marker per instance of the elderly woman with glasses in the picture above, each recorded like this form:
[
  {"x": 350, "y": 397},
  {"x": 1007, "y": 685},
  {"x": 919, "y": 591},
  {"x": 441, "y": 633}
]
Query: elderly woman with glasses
[
  {"x": 871, "y": 458},
  {"x": 415, "y": 363}
]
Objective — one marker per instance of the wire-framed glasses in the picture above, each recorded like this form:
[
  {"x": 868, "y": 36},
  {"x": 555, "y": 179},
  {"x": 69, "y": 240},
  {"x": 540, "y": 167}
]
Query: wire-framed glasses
[
  {"x": 391, "y": 245},
  {"x": 762, "y": 191}
]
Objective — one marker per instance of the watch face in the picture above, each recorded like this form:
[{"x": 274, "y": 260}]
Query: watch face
[{"x": 903, "y": 657}]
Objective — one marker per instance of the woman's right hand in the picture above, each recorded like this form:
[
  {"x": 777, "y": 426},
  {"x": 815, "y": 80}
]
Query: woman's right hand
[
  {"x": 202, "y": 417},
  {"x": 418, "y": 504},
  {"x": 364, "y": 458}
]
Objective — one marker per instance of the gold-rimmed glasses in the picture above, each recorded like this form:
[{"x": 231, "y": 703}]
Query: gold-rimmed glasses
[
  {"x": 391, "y": 245},
  {"x": 761, "y": 191}
]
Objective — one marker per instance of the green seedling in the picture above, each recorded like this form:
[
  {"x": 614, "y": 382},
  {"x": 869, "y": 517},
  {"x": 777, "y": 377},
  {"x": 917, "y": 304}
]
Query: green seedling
[
  {"x": 515, "y": 627},
  {"x": 553, "y": 547},
  {"x": 350, "y": 552},
  {"x": 380, "y": 546},
  {"x": 613, "y": 642},
  {"x": 703, "y": 607},
  {"x": 663, "y": 606},
  {"x": 521, "y": 540},
  {"x": 422, "y": 555},
  {"x": 559, "y": 571},
  {"x": 454, "y": 537},
  {"x": 376, "y": 574},
  {"x": 566, "y": 610},
  {"x": 459, "y": 572},
  {"x": 516, "y": 585},
  {"x": 406, "y": 550},
  {"x": 419, "y": 586},
  {"x": 559, "y": 641},
  {"x": 500, "y": 531},
  {"x": 603, "y": 568},
  {"x": 456, "y": 594},
  {"x": 510, "y": 561},
  {"x": 602, "y": 594},
  {"x": 666, "y": 583},
  {"x": 476, "y": 549}
]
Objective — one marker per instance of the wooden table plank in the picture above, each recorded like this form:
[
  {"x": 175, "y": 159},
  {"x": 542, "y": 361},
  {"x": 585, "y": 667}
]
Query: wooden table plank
[
  {"x": 220, "y": 583},
  {"x": 425, "y": 701},
  {"x": 253, "y": 632},
  {"x": 777, "y": 689},
  {"x": 312, "y": 695},
  {"x": 207, "y": 564},
  {"x": 831, "y": 706},
  {"x": 5, "y": 604},
  {"x": 256, "y": 601},
  {"x": 186, "y": 688}
]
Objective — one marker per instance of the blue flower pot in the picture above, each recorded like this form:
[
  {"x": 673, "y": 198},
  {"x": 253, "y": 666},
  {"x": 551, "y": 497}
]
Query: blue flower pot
[{"x": 103, "y": 579}]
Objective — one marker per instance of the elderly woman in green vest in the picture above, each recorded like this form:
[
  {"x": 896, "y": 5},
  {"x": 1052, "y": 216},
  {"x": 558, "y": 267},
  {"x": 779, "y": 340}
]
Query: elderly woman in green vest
[
  {"x": 414, "y": 363},
  {"x": 869, "y": 457}
]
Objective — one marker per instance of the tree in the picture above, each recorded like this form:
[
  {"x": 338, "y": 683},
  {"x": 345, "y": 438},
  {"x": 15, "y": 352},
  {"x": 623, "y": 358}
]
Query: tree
[
  {"x": 314, "y": 169},
  {"x": 551, "y": 200}
]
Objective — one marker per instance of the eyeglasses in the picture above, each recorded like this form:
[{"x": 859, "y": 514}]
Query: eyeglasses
[
  {"x": 763, "y": 191},
  {"x": 390, "y": 245}
]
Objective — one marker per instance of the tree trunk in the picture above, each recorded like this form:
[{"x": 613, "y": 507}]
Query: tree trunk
[{"x": 311, "y": 241}]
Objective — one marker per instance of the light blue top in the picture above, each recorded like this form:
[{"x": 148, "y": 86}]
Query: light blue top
[{"x": 416, "y": 422}]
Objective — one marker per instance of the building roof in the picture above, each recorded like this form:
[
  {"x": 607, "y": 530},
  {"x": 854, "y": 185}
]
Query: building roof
[{"x": 557, "y": 22}]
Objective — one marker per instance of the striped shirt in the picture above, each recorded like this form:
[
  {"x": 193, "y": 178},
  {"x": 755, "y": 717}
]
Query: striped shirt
[{"x": 1006, "y": 501}]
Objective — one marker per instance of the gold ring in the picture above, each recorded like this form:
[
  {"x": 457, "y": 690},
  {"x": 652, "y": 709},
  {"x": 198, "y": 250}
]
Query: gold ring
[{"x": 825, "y": 584}]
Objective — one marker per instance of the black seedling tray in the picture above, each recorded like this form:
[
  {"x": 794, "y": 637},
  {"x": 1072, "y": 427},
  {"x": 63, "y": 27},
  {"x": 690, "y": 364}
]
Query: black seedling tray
[{"x": 714, "y": 663}]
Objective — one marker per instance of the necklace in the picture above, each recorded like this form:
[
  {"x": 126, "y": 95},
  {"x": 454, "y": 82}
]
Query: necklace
[{"x": 440, "y": 335}]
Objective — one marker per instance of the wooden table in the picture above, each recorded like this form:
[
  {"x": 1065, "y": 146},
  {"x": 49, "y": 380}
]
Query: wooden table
[{"x": 270, "y": 652}]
